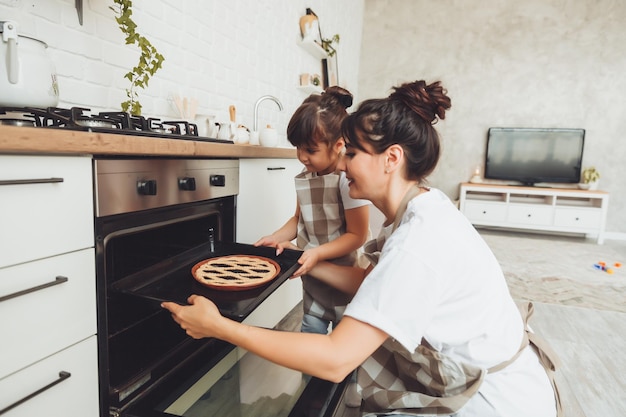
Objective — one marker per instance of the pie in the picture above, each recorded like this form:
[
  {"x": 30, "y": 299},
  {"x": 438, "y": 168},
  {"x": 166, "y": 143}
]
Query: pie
[{"x": 235, "y": 272}]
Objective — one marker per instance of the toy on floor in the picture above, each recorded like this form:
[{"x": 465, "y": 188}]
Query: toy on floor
[{"x": 601, "y": 266}]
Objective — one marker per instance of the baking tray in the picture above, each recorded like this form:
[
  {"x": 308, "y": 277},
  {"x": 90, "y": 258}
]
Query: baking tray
[{"x": 171, "y": 279}]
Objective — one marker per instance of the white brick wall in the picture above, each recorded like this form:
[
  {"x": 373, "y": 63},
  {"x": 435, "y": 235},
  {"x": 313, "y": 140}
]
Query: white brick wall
[{"x": 219, "y": 52}]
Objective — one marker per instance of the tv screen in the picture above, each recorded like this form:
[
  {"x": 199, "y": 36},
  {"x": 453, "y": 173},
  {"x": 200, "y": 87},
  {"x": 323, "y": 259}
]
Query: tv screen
[{"x": 532, "y": 155}]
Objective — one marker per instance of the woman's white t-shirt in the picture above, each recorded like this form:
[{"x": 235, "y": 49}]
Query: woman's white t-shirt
[{"x": 437, "y": 279}]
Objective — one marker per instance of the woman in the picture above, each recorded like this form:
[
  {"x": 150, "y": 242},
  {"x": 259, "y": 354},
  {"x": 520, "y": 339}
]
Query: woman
[{"x": 432, "y": 324}]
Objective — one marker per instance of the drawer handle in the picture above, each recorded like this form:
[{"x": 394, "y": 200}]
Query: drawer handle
[
  {"x": 33, "y": 181},
  {"x": 276, "y": 168},
  {"x": 62, "y": 377},
  {"x": 57, "y": 281}
]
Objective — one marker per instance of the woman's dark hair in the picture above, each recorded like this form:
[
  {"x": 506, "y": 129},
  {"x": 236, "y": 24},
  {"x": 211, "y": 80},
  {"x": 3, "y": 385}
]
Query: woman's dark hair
[
  {"x": 319, "y": 118},
  {"x": 405, "y": 118}
]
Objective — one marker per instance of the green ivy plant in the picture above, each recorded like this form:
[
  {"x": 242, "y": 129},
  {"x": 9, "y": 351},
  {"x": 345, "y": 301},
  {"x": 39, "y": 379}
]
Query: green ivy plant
[
  {"x": 327, "y": 44},
  {"x": 150, "y": 60}
]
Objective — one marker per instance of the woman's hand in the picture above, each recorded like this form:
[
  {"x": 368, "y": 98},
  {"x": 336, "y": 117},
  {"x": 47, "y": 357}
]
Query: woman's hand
[
  {"x": 308, "y": 260},
  {"x": 199, "y": 319}
]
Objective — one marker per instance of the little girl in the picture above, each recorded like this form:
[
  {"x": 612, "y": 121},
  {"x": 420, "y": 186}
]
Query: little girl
[{"x": 328, "y": 224}]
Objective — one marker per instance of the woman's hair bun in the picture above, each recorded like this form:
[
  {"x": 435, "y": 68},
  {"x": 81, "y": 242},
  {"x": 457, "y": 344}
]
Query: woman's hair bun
[
  {"x": 343, "y": 96},
  {"x": 429, "y": 101}
]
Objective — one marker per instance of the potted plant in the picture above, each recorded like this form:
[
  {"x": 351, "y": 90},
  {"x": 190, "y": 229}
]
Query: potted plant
[
  {"x": 150, "y": 59},
  {"x": 327, "y": 44},
  {"x": 590, "y": 178}
]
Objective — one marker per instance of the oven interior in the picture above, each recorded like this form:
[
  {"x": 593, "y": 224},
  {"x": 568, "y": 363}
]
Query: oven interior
[{"x": 139, "y": 342}]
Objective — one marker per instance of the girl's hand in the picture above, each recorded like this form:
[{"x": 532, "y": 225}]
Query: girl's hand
[
  {"x": 199, "y": 319},
  {"x": 270, "y": 241},
  {"x": 285, "y": 245},
  {"x": 308, "y": 260}
]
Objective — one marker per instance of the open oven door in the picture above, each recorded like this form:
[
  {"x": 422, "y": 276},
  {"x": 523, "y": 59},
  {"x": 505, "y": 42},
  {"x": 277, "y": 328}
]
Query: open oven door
[{"x": 240, "y": 384}]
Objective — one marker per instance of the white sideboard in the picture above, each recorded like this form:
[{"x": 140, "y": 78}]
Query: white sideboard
[{"x": 562, "y": 210}]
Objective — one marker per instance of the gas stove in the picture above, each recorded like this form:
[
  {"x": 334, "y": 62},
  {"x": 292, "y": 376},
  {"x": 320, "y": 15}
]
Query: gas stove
[{"x": 78, "y": 118}]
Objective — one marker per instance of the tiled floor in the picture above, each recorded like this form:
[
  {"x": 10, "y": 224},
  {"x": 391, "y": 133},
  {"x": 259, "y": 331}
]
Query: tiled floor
[
  {"x": 560, "y": 270},
  {"x": 591, "y": 345}
]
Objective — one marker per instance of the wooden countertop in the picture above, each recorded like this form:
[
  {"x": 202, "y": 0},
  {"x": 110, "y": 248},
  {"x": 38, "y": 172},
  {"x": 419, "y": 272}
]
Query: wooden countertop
[{"x": 32, "y": 140}]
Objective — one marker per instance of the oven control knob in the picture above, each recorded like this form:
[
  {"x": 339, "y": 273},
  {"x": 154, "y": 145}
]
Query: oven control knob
[
  {"x": 147, "y": 187},
  {"x": 218, "y": 180},
  {"x": 187, "y": 184}
]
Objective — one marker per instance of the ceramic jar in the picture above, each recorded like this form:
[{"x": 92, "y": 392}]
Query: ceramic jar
[{"x": 268, "y": 137}]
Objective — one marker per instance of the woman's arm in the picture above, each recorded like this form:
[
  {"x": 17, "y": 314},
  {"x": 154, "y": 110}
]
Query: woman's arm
[
  {"x": 347, "y": 279},
  {"x": 357, "y": 230},
  {"x": 331, "y": 357}
]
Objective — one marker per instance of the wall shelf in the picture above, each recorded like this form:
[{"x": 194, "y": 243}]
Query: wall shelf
[
  {"x": 313, "y": 48},
  {"x": 310, "y": 89},
  {"x": 544, "y": 209}
]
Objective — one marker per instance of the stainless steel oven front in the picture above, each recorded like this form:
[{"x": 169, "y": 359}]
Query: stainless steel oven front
[{"x": 156, "y": 218}]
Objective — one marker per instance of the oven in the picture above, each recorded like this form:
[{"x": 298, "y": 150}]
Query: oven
[{"x": 155, "y": 219}]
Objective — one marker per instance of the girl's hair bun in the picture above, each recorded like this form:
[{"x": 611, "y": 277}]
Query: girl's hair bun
[{"x": 343, "y": 96}]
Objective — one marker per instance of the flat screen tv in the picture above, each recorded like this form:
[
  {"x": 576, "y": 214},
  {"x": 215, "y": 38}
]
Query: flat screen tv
[{"x": 534, "y": 155}]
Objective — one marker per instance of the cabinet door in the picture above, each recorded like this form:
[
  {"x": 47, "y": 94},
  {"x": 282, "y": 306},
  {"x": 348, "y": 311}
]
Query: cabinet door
[
  {"x": 267, "y": 196},
  {"x": 75, "y": 392},
  {"x": 578, "y": 218},
  {"x": 526, "y": 214},
  {"x": 46, "y": 207},
  {"x": 45, "y": 306},
  {"x": 483, "y": 212}
]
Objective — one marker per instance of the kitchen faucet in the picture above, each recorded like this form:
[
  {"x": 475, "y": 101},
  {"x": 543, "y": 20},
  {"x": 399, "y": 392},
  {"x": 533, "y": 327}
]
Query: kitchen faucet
[{"x": 256, "y": 109}]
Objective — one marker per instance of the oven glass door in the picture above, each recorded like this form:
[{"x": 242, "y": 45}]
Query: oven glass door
[{"x": 241, "y": 384}]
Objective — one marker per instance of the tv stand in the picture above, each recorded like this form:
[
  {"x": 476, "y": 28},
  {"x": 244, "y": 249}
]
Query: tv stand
[{"x": 550, "y": 210}]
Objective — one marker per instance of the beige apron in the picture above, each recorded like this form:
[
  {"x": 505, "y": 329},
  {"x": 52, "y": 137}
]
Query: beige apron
[
  {"x": 426, "y": 381},
  {"x": 322, "y": 220}
]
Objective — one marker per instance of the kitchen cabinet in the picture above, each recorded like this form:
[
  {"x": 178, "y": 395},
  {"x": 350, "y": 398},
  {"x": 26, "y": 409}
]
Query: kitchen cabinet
[
  {"x": 267, "y": 196},
  {"x": 47, "y": 287},
  {"x": 46, "y": 201},
  {"x": 540, "y": 209},
  {"x": 266, "y": 200},
  {"x": 75, "y": 372}
]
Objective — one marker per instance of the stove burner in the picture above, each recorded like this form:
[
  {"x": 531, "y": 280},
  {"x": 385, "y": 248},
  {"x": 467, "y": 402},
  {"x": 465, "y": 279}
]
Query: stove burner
[
  {"x": 78, "y": 118},
  {"x": 17, "y": 122}
]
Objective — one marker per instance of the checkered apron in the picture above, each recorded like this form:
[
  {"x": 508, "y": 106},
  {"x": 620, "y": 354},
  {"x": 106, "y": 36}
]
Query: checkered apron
[
  {"x": 322, "y": 220},
  {"x": 427, "y": 382}
]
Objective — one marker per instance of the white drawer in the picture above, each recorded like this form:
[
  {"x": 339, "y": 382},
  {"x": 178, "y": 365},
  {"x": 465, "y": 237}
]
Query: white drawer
[
  {"x": 530, "y": 215},
  {"x": 74, "y": 396},
  {"x": 578, "y": 218},
  {"x": 44, "y": 218},
  {"x": 478, "y": 212},
  {"x": 42, "y": 322}
]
